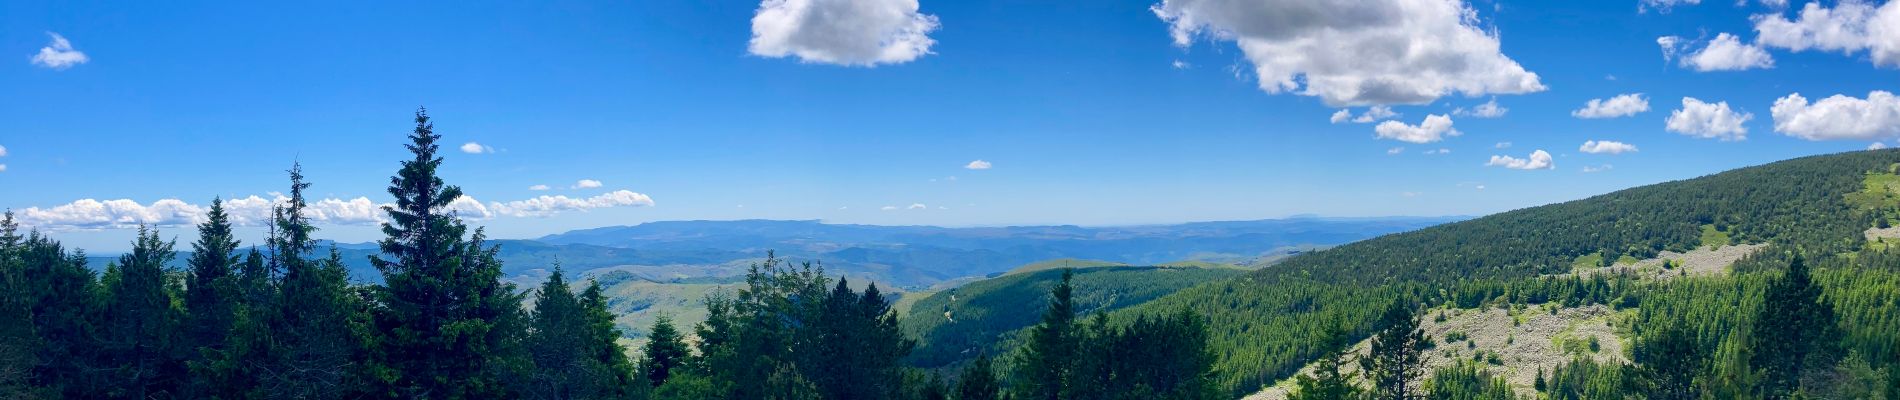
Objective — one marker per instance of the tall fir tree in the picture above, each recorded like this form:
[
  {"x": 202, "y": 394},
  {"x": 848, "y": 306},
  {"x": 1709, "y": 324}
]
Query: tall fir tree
[
  {"x": 19, "y": 345},
  {"x": 141, "y": 336},
  {"x": 212, "y": 294},
  {"x": 977, "y": 381},
  {"x": 437, "y": 311},
  {"x": 618, "y": 371},
  {"x": 63, "y": 297},
  {"x": 664, "y": 352},
  {"x": 1669, "y": 360},
  {"x": 1329, "y": 380},
  {"x": 1044, "y": 368},
  {"x": 1795, "y": 332},
  {"x": 1394, "y": 361},
  {"x": 559, "y": 346}
]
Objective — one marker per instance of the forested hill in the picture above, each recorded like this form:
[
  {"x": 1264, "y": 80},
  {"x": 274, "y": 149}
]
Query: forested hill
[{"x": 1268, "y": 323}]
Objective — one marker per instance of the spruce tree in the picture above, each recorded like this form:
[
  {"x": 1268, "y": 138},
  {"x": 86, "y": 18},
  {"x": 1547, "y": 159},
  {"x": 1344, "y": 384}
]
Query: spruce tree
[
  {"x": 211, "y": 295},
  {"x": 1394, "y": 361},
  {"x": 62, "y": 295},
  {"x": 617, "y": 370},
  {"x": 435, "y": 310},
  {"x": 141, "y": 337},
  {"x": 564, "y": 366},
  {"x": 977, "y": 381},
  {"x": 1795, "y": 332},
  {"x": 1669, "y": 360},
  {"x": 664, "y": 352},
  {"x": 1043, "y": 369},
  {"x": 1329, "y": 379},
  {"x": 19, "y": 345}
]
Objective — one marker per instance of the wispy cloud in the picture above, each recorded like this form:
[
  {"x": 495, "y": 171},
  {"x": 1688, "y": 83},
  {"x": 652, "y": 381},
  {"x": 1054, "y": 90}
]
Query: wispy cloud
[
  {"x": 977, "y": 165},
  {"x": 59, "y": 54},
  {"x": 476, "y": 148},
  {"x": 586, "y": 184}
]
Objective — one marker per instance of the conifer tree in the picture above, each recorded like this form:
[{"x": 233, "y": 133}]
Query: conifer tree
[
  {"x": 62, "y": 295},
  {"x": 977, "y": 381},
  {"x": 211, "y": 295},
  {"x": 1329, "y": 380},
  {"x": 1044, "y": 367},
  {"x": 437, "y": 312},
  {"x": 18, "y": 344},
  {"x": 560, "y": 347},
  {"x": 1795, "y": 332},
  {"x": 141, "y": 338},
  {"x": 617, "y": 370},
  {"x": 664, "y": 352},
  {"x": 1394, "y": 361},
  {"x": 1669, "y": 360}
]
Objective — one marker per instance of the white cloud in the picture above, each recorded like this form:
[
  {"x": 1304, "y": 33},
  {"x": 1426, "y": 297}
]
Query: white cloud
[
  {"x": 246, "y": 211},
  {"x": 916, "y": 206},
  {"x": 586, "y": 184},
  {"x": 1538, "y": 160},
  {"x": 1839, "y": 117},
  {"x": 544, "y": 206},
  {"x": 1502, "y": 145},
  {"x": 1663, "y": 6},
  {"x": 1850, "y": 27},
  {"x": 1606, "y": 147},
  {"x": 3, "y": 151},
  {"x": 476, "y": 148},
  {"x": 1671, "y": 46},
  {"x": 1372, "y": 114},
  {"x": 1178, "y": 64},
  {"x": 888, "y": 208},
  {"x": 1605, "y": 167},
  {"x": 842, "y": 32},
  {"x": 59, "y": 54},
  {"x": 1438, "y": 151},
  {"x": 1434, "y": 128},
  {"x": 978, "y": 164},
  {"x": 1725, "y": 53},
  {"x": 1394, "y": 150},
  {"x": 1356, "y": 53},
  {"x": 1622, "y": 105},
  {"x": 1708, "y": 121},
  {"x": 1489, "y": 109},
  {"x": 1874, "y": 146},
  {"x": 539, "y": 187}
]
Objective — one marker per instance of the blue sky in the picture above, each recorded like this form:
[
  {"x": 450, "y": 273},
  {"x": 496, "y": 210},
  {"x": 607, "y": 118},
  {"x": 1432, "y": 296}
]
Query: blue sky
[{"x": 1089, "y": 113}]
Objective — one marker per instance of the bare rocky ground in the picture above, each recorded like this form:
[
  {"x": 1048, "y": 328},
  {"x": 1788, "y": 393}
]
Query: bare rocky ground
[
  {"x": 1704, "y": 261},
  {"x": 1510, "y": 344}
]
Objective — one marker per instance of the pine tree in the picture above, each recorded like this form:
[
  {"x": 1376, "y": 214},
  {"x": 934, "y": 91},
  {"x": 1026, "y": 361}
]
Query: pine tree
[
  {"x": 1669, "y": 360},
  {"x": 19, "y": 345},
  {"x": 977, "y": 381},
  {"x": 141, "y": 336},
  {"x": 1795, "y": 332},
  {"x": 558, "y": 344},
  {"x": 664, "y": 352},
  {"x": 1329, "y": 380},
  {"x": 1045, "y": 365},
  {"x": 1394, "y": 361},
  {"x": 435, "y": 311},
  {"x": 212, "y": 295},
  {"x": 63, "y": 297},
  {"x": 617, "y": 371}
]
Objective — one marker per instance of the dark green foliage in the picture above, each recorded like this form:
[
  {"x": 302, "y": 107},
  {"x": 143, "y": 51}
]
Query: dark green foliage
[
  {"x": 603, "y": 342},
  {"x": 140, "y": 337},
  {"x": 1795, "y": 333},
  {"x": 447, "y": 327},
  {"x": 564, "y": 349},
  {"x": 854, "y": 346},
  {"x": 60, "y": 297},
  {"x": 1466, "y": 382},
  {"x": 1586, "y": 380},
  {"x": 211, "y": 294},
  {"x": 977, "y": 381},
  {"x": 1394, "y": 360},
  {"x": 1669, "y": 360},
  {"x": 1044, "y": 368},
  {"x": 985, "y": 311},
  {"x": 1329, "y": 380},
  {"x": 663, "y": 354}
]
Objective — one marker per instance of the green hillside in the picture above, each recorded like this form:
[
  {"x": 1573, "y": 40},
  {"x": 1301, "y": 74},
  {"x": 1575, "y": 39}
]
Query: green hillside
[
  {"x": 956, "y": 324},
  {"x": 1267, "y": 324},
  {"x": 1060, "y": 264}
]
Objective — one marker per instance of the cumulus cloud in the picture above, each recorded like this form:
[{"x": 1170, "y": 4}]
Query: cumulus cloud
[
  {"x": 1839, "y": 117},
  {"x": 586, "y": 184},
  {"x": 59, "y": 54},
  {"x": 978, "y": 164},
  {"x": 539, "y": 187},
  {"x": 476, "y": 148},
  {"x": 1663, "y": 6},
  {"x": 1356, "y": 53},
  {"x": 1874, "y": 146},
  {"x": 544, "y": 206},
  {"x": 1372, "y": 114},
  {"x": 1489, "y": 109},
  {"x": 1708, "y": 120},
  {"x": 1538, "y": 160},
  {"x": 1606, "y": 147},
  {"x": 842, "y": 32},
  {"x": 1434, "y": 128},
  {"x": 1850, "y": 27},
  {"x": 1622, "y": 105},
  {"x": 1724, "y": 53}
]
